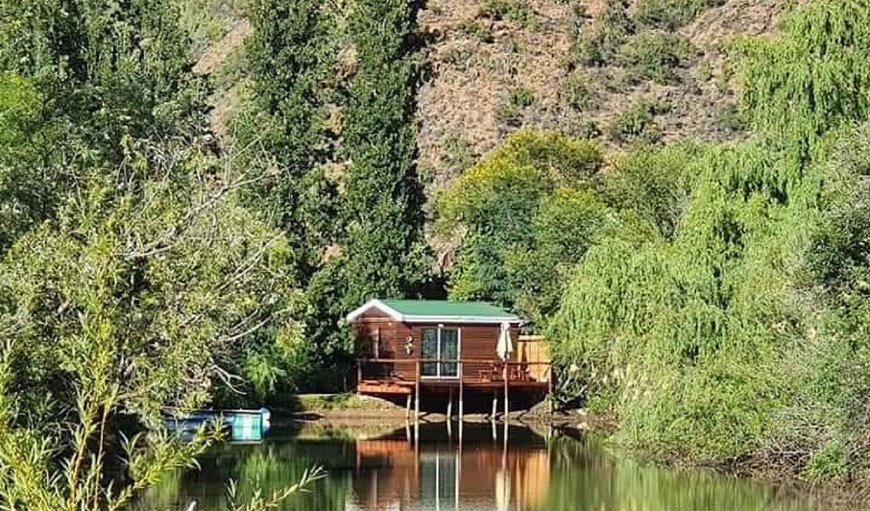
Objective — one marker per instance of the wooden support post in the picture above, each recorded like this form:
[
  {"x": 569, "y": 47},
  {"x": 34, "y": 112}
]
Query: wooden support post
[
  {"x": 417, "y": 392},
  {"x": 507, "y": 408},
  {"x": 450, "y": 404},
  {"x": 461, "y": 394},
  {"x": 408, "y": 406},
  {"x": 358, "y": 373},
  {"x": 494, "y": 431}
]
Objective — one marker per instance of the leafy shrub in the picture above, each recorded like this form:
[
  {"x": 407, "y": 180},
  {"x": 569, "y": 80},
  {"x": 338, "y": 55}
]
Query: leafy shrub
[
  {"x": 830, "y": 462},
  {"x": 601, "y": 43},
  {"x": 458, "y": 153},
  {"x": 535, "y": 162},
  {"x": 478, "y": 31},
  {"x": 209, "y": 20},
  {"x": 637, "y": 124},
  {"x": 729, "y": 119},
  {"x": 517, "y": 11},
  {"x": 672, "y": 14},
  {"x": 578, "y": 91},
  {"x": 510, "y": 112},
  {"x": 564, "y": 226},
  {"x": 655, "y": 56},
  {"x": 654, "y": 183},
  {"x": 587, "y": 129}
]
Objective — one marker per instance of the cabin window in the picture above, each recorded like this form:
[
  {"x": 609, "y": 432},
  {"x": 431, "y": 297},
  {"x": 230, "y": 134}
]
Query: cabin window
[{"x": 442, "y": 343}]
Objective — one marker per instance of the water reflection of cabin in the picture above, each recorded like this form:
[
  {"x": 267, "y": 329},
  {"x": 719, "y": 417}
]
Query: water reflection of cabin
[
  {"x": 443, "y": 476},
  {"x": 446, "y": 348}
]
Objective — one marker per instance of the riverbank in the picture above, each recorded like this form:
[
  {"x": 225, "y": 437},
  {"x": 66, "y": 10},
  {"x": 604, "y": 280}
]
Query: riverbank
[{"x": 343, "y": 408}]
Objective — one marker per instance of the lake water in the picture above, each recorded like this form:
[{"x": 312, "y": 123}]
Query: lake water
[{"x": 491, "y": 469}]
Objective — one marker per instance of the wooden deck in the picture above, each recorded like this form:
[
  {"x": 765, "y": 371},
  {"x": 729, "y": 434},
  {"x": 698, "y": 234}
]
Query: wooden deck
[{"x": 375, "y": 376}]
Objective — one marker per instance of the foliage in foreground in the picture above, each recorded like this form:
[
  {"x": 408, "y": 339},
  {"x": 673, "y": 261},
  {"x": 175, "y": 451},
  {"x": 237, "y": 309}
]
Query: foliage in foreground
[
  {"x": 130, "y": 303},
  {"x": 132, "y": 281}
]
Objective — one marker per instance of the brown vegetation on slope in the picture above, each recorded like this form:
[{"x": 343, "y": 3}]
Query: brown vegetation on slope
[{"x": 479, "y": 64}]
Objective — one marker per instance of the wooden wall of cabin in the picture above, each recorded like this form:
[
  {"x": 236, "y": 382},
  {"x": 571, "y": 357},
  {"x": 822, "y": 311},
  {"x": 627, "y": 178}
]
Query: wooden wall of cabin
[{"x": 379, "y": 336}]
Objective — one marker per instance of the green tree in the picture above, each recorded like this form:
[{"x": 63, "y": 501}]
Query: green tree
[
  {"x": 26, "y": 195},
  {"x": 106, "y": 69},
  {"x": 291, "y": 56},
  {"x": 92, "y": 74},
  {"x": 515, "y": 205},
  {"x": 382, "y": 248}
]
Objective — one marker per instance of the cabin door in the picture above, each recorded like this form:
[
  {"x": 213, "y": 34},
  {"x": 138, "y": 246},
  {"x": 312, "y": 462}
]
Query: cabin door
[
  {"x": 440, "y": 344},
  {"x": 449, "y": 351}
]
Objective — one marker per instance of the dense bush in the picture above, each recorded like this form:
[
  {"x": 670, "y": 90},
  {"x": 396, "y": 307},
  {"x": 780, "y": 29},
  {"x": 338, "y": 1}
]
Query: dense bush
[
  {"x": 578, "y": 89},
  {"x": 672, "y": 14},
  {"x": 510, "y": 112},
  {"x": 478, "y": 31},
  {"x": 655, "y": 56},
  {"x": 600, "y": 44},
  {"x": 528, "y": 214},
  {"x": 637, "y": 124},
  {"x": 517, "y": 11}
]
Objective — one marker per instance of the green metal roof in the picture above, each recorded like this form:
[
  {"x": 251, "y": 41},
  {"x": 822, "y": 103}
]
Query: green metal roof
[
  {"x": 447, "y": 308},
  {"x": 432, "y": 311}
]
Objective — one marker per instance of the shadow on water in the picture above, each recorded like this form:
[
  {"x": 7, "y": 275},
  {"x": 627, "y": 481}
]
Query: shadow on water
[{"x": 426, "y": 468}]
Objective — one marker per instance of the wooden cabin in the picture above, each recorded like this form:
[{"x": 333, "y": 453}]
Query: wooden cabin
[{"x": 405, "y": 347}]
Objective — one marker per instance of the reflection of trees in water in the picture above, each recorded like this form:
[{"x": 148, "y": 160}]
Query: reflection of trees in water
[
  {"x": 265, "y": 466},
  {"x": 532, "y": 474},
  {"x": 583, "y": 477}
]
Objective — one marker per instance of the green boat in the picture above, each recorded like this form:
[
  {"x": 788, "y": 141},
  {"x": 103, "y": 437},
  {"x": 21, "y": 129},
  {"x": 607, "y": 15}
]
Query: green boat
[{"x": 240, "y": 425}]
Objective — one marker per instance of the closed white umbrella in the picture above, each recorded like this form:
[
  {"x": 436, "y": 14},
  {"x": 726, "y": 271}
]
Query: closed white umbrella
[{"x": 505, "y": 346}]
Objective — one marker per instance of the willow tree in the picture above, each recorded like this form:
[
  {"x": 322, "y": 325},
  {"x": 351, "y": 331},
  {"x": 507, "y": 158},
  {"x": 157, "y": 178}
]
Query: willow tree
[{"x": 718, "y": 342}]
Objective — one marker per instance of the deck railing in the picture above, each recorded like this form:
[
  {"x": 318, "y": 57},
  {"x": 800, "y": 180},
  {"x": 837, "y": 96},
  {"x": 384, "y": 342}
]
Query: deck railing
[
  {"x": 481, "y": 369},
  {"x": 507, "y": 374}
]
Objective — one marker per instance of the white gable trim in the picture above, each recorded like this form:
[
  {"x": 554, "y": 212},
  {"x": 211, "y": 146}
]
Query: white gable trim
[{"x": 377, "y": 304}]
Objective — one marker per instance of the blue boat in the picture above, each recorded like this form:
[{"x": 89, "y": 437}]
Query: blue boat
[{"x": 241, "y": 425}]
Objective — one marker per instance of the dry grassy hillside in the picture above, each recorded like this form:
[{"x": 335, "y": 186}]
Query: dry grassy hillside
[
  {"x": 494, "y": 74},
  {"x": 496, "y": 66}
]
